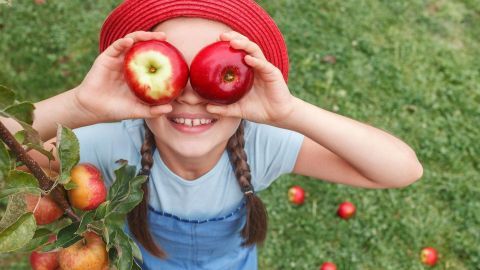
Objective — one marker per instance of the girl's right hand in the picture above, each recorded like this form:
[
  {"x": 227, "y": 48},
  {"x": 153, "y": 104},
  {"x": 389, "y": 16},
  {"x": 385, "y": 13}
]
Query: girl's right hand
[{"x": 104, "y": 96}]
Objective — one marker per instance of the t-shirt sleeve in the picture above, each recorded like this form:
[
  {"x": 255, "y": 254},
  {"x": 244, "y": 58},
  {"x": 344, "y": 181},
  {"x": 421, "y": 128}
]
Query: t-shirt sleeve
[
  {"x": 98, "y": 144},
  {"x": 271, "y": 152}
]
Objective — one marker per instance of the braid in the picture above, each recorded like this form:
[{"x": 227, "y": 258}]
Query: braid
[
  {"x": 137, "y": 218},
  {"x": 255, "y": 230}
]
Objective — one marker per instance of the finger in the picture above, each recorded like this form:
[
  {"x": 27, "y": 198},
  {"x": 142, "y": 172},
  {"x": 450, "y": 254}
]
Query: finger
[
  {"x": 145, "y": 35},
  {"x": 250, "y": 47},
  {"x": 146, "y": 111},
  {"x": 265, "y": 69},
  {"x": 232, "y": 110},
  {"x": 119, "y": 47},
  {"x": 231, "y": 35}
]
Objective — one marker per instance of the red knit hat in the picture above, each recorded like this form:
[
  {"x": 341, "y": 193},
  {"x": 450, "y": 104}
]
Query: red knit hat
[{"x": 243, "y": 16}]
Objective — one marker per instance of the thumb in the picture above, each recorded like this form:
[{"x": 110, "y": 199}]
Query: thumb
[{"x": 223, "y": 110}]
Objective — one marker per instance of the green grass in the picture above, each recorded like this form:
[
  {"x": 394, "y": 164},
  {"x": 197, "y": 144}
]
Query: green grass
[{"x": 408, "y": 67}]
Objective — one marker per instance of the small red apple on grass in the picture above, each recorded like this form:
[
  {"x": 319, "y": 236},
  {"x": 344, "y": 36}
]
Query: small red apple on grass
[
  {"x": 90, "y": 191},
  {"x": 429, "y": 256},
  {"x": 296, "y": 195},
  {"x": 346, "y": 210},
  {"x": 44, "y": 209},
  {"x": 87, "y": 254},
  {"x": 45, "y": 260},
  {"x": 219, "y": 73},
  {"x": 328, "y": 266},
  {"x": 155, "y": 71}
]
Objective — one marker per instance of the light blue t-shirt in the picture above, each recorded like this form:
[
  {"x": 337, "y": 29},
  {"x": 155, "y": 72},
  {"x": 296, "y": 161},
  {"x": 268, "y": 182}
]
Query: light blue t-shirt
[{"x": 271, "y": 152}]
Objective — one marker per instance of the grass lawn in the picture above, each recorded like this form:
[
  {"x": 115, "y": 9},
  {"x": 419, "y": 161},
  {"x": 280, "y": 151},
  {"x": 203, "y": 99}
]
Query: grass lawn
[{"x": 408, "y": 67}]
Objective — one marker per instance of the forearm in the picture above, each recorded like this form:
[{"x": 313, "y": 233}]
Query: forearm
[
  {"x": 377, "y": 155},
  {"x": 60, "y": 109}
]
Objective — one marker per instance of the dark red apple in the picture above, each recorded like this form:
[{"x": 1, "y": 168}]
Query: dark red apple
[
  {"x": 346, "y": 210},
  {"x": 219, "y": 73},
  {"x": 328, "y": 266},
  {"x": 155, "y": 71},
  {"x": 296, "y": 195},
  {"x": 429, "y": 256},
  {"x": 45, "y": 209}
]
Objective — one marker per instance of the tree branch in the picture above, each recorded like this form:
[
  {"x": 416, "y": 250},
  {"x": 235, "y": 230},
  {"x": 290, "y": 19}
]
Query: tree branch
[{"x": 58, "y": 193}]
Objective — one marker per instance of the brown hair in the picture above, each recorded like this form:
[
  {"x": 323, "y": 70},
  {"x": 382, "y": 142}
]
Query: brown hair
[{"x": 255, "y": 229}]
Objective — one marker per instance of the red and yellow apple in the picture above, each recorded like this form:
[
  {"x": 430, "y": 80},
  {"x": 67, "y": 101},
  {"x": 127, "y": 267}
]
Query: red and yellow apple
[
  {"x": 90, "y": 191},
  {"x": 219, "y": 73},
  {"x": 328, "y": 266},
  {"x": 44, "y": 208},
  {"x": 346, "y": 210},
  {"x": 45, "y": 260},
  {"x": 296, "y": 195},
  {"x": 155, "y": 71},
  {"x": 89, "y": 253},
  {"x": 429, "y": 256}
]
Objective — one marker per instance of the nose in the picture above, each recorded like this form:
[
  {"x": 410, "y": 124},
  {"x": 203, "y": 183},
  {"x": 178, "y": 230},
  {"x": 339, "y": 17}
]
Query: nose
[{"x": 190, "y": 97}]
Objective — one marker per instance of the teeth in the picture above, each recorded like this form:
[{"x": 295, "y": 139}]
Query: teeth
[{"x": 192, "y": 122}]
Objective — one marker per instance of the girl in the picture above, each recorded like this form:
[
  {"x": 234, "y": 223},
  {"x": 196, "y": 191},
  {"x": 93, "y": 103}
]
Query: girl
[{"x": 200, "y": 209}]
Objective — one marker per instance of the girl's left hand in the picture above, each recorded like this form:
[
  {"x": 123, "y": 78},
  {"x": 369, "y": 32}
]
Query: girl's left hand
[{"x": 269, "y": 101}]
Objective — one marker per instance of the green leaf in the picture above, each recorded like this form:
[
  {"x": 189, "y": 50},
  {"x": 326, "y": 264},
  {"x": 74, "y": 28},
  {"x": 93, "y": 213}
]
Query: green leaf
[
  {"x": 135, "y": 249},
  {"x": 40, "y": 238},
  {"x": 120, "y": 186},
  {"x": 22, "y": 111},
  {"x": 7, "y": 97},
  {"x": 124, "y": 259},
  {"x": 68, "y": 152},
  {"x": 19, "y": 234},
  {"x": 65, "y": 237},
  {"x": 101, "y": 210},
  {"x": 20, "y": 182},
  {"x": 41, "y": 150},
  {"x": 20, "y": 136},
  {"x": 70, "y": 185},
  {"x": 87, "y": 218},
  {"x": 130, "y": 198},
  {"x": 4, "y": 161},
  {"x": 31, "y": 135},
  {"x": 16, "y": 207}
]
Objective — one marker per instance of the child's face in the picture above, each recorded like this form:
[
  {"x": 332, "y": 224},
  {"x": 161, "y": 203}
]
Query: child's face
[{"x": 189, "y": 36}]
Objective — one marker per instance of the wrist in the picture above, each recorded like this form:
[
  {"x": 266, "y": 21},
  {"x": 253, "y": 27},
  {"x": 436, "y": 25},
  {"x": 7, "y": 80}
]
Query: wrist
[{"x": 291, "y": 114}]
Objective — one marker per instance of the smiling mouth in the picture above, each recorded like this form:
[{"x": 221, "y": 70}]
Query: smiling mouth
[{"x": 193, "y": 122}]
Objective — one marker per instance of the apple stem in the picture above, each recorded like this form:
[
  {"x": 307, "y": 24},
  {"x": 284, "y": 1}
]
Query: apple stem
[{"x": 58, "y": 193}]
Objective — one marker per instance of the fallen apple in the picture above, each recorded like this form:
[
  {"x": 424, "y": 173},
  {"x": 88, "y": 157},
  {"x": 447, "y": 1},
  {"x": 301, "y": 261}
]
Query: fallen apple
[
  {"x": 328, "y": 266},
  {"x": 44, "y": 208},
  {"x": 45, "y": 260},
  {"x": 346, "y": 210},
  {"x": 155, "y": 71},
  {"x": 429, "y": 256},
  {"x": 296, "y": 195},
  {"x": 90, "y": 191},
  {"x": 219, "y": 73},
  {"x": 87, "y": 254}
]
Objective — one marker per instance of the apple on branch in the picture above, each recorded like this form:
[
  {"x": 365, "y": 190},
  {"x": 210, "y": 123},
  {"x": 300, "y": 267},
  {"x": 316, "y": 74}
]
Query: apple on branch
[
  {"x": 44, "y": 208},
  {"x": 45, "y": 260},
  {"x": 89, "y": 253},
  {"x": 90, "y": 191},
  {"x": 219, "y": 73},
  {"x": 155, "y": 71}
]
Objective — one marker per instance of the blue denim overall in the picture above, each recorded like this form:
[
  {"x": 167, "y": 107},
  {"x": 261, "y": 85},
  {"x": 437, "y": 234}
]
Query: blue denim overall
[{"x": 200, "y": 244}]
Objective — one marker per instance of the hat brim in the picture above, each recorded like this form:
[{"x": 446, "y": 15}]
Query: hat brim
[{"x": 243, "y": 16}]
